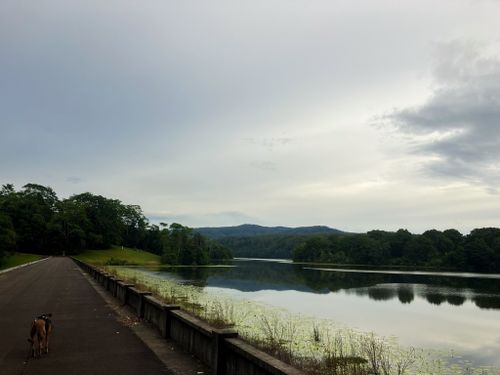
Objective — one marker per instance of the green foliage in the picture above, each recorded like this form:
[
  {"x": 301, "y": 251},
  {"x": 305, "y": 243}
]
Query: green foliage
[
  {"x": 278, "y": 246},
  {"x": 16, "y": 259},
  {"x": 119, "y": 262},
  {"x": 251, "y": 230},
  {"x": 255, "y": 241},
  {"x": 35, "y": 220},
  {"x": 479, "y": 251},
  {"x": 181, "y": 245},
  {"x": 119, "y": 255},
  {"x": 7, "y": 236}
]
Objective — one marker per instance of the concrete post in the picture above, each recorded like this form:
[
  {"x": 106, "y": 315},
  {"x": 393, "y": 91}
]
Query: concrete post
[
  {"x": 219, "y": 350},
  {"x": 115, "y": 287},
  {"x": 140, "y": 308},
  {"x": 123, "y": 297},
  {"x": 165, "y": 325}
]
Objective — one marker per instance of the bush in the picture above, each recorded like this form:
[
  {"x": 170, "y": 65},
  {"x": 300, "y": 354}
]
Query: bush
[{"x": 119, "y": 262}]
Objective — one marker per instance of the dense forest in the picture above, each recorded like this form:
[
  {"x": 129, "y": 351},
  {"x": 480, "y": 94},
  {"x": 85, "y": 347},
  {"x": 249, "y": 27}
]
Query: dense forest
[
  {"x": 252, "y": 230},
  {"x": 35, "y": 220},
  {"x": 279, "y": 246},
  {"x": 478, "y": 251},
  {"x": 256, "y": 241}
]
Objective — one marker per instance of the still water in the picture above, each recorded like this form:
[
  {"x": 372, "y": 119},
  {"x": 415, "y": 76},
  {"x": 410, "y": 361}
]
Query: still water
[{"x": 453, "y": 312}]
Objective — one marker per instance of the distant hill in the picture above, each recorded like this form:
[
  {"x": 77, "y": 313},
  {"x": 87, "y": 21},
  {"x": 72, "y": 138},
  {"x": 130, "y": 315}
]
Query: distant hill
[
  {"x": 255, "y": 241},
  {"x": 252, "y": 230}
]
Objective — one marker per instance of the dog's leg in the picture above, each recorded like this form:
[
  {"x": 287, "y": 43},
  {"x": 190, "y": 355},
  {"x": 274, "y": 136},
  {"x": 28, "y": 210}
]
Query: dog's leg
[
  {"x": 32, "y": 339},
  {"x": 32, "y": 347},
  {"x": 48, "y": 331},
  {"x": 43, "y": 340},
  {"x": 39, "y": 346}
]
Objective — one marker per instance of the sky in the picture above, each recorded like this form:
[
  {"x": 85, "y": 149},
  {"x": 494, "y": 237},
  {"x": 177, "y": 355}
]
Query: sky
[{"x": 354, "y": 114}]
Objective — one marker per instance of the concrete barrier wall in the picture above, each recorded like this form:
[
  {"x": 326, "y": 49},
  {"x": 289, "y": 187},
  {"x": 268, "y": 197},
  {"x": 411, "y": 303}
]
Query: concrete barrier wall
[
  {"x": 194, "y": 335},
  {"x": 221, "y": 349}
]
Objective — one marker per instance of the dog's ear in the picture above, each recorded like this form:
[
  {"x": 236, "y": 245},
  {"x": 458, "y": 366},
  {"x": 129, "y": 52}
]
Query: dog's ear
[{"x": 30, "y": 340}]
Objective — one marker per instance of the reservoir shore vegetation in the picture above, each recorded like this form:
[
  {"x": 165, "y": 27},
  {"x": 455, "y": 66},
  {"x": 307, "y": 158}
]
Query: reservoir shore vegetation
[
  {"x": 317, "y": 346},
  {"x": 478, "y": 251},
  {"x": 448, "y": 250},
  {"x": 35, "y": 220},
  {"x": 121, "y": 256}
]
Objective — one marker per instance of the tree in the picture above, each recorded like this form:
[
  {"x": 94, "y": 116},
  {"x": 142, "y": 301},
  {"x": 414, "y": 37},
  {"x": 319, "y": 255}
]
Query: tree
[
  {"x": 398, "y": 243},
  {"x": 105, "y": 219},
  {"x": 29, "y": 210},
  {"x": 7, "y": 236},
  {"x": 479, "y": 255},
  {"x": 152, "y": 241},
  {"x": 35, "y": 220},
  {"x": 69, "y": 227},
  {"x": 134, "y": 225},
  {"x": 183, "y": 246},
  {"x": 479, "y": 251},
  {"x": 418, "y": 251},
  {"x": 362, "y": 249}
]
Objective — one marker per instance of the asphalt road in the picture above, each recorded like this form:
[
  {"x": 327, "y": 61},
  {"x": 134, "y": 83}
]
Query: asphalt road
[{"x": 87, "y": 337}]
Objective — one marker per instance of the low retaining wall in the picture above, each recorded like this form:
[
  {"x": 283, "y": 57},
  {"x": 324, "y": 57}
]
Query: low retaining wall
[{"x": 220, "y": 349}]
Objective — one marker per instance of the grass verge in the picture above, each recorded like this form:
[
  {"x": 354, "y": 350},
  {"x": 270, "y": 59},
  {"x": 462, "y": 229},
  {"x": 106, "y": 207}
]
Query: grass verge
[
  {"x": 119, "y": 256},
  {"x": 17, "y": 259}
]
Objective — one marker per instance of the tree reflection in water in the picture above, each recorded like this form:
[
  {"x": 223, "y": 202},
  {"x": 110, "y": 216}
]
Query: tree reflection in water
[
  {"x": 251, "y": 276},
  {"x": 405, "y": 293}
]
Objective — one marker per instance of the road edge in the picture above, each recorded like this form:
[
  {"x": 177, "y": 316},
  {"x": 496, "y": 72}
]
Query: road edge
[{"x": 23, "y": 265}]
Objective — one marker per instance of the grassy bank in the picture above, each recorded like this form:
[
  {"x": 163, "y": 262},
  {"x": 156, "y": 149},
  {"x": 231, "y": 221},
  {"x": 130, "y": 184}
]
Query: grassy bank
[
  {"x": 17, "y": 259},
  {"x": 119, "y": 256}
]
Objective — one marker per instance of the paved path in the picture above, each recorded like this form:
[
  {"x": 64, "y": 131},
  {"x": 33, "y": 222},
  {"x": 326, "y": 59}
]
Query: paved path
[{"x": 87, "y": 338}]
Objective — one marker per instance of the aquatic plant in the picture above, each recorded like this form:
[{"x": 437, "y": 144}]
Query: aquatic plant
[{"x": 317, "y": 346}]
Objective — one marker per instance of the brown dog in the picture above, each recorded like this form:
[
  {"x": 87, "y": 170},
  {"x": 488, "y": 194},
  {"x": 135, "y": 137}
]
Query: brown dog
[{"x": 39, "y": 334}]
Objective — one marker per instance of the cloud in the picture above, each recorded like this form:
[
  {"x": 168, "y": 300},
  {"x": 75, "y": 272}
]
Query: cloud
[
  {"x": 269, "y": 143},
  {"x": 74, "y": 180},
  {"x": 264, "y": 165},
  {"x": 458, "y": 127}
]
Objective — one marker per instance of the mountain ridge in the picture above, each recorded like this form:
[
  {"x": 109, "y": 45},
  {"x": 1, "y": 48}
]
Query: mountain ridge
[{"x": 253, "y": 230}]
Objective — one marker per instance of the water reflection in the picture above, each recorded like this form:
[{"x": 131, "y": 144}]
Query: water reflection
[
  {"x": 429, "y": 311},
  {"x": 253, "y": 276},
  {"x": 405, "y": 293},
  {"x": 487, "y": 302}
]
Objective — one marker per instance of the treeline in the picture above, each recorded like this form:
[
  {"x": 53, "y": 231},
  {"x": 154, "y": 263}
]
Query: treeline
[
  {"x": 253, "y": 230},
  {"x": 264, "y": 246},
  {"x": 478, "y": 251},
  {"x": 35, "y": 220},
  {"x": 181, "y": 245}
]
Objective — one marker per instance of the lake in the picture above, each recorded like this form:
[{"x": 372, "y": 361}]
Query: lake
[{"x": 456, "y": 312}]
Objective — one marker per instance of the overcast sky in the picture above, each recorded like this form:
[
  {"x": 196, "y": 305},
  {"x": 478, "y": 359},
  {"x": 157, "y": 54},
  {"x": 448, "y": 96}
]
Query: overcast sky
[{"x": 353, "y": 114}]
